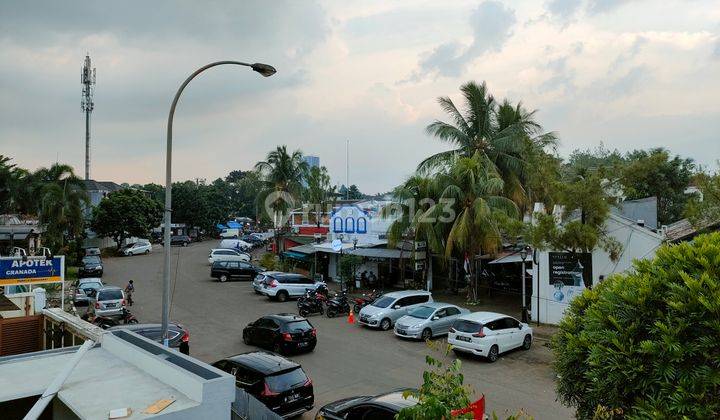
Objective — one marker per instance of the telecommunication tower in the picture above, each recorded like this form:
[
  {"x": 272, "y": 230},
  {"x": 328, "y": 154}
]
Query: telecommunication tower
[{"x": 87, "y": 79}]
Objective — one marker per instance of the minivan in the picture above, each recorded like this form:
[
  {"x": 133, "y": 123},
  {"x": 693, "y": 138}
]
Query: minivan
[
  {"x": 235, "y": 244},
  {"x": 109, "y": 301},
  {"x": 388, "y": 308},
  {"x": 282, "y": 286},
  {"x": 230, "y": 233}
]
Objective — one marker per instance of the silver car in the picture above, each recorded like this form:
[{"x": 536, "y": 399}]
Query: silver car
[
  {"x": 109, "y": 301},
  {"x": 428, "y": 320},
  {"x": 259, "y": 280},
  {"x": 388, "y": 308}
]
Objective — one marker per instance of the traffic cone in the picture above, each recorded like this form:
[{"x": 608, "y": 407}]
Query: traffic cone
[{"x": 351, "y": 317}]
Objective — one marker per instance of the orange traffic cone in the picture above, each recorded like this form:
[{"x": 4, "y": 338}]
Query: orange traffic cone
[{"x": 351, "y": 317}]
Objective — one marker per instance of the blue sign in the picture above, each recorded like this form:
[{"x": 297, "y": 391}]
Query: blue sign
[{"x": 35, "y": 270}]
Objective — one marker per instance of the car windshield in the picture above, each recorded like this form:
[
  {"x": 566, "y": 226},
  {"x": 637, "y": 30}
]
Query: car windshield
[
  {"x": 91, "y": 260},
  {"x": 129, "y": 245},
  {"x": 115, "y": 294},
  {"x": 91, "y": 285},
  {"x": 467, "y": 326},
  {"x": 422, "y": 312},
  {"x": 287, "y": 380},
  {"x": 383, "y": 302},
  {"x": 298, "y": 326}
]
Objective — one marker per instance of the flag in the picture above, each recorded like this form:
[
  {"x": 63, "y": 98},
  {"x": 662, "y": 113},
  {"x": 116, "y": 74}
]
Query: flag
[{"x": 477, "y": 409}]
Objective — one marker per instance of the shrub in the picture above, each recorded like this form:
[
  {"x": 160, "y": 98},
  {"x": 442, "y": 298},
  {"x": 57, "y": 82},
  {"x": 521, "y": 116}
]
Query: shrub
[
  {"x": 268, "y": 261},
  {"x": 646, "y": 344}
]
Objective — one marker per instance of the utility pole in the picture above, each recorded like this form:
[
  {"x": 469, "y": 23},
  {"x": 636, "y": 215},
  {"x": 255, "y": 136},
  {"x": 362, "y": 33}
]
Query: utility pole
[
  {"x": 347, "y": 170},
  {"x": 87, "y": 79}
]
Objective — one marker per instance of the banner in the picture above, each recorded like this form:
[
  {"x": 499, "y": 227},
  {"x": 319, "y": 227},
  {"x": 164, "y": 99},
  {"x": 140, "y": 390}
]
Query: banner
[{"x": 36, "y": 270}]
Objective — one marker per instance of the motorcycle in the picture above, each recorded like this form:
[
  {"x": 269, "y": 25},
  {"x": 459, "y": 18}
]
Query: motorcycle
[
  {"x": 106, "y": 322},
  {"x": 339, "y": 304},
  {"x": 311, "y": 303},
  {"x": 321, "y": 293},
  {"x": 365, "y": 300}
]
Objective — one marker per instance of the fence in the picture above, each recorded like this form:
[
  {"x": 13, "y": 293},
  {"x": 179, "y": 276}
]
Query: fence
[{"x": 246, "y": 407}]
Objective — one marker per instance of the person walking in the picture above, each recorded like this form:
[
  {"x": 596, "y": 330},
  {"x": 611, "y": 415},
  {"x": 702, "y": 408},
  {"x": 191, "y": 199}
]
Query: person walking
[{"x": 129, "y": 289}]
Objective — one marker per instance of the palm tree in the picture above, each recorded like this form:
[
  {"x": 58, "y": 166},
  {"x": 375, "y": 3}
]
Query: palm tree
[
  {"x": 319, "y": 192},
  {"x": 282, "y": 175},
  {"x": 502, "y": 134},
  {"x": 60, "y": 198}
]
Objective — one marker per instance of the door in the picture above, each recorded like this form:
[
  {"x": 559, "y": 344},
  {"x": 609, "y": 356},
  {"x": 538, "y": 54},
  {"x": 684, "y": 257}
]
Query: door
[
  {"x": 266, "y": 332},
  {"x": 442, "y": 325},
  {"x": 452, "y": 314},
  {"x": 516, "y": 333},
  {"x": 233, "y": 268},
  {"x": 303, "y": 283},
  {"x": 505, "y": 334}
]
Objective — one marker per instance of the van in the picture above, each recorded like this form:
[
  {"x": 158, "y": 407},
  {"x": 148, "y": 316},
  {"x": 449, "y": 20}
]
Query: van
[
  {"x": 388, "y": 308},
  {"x": 229, "y": 233},
  {"x": 235, "y": 244}
]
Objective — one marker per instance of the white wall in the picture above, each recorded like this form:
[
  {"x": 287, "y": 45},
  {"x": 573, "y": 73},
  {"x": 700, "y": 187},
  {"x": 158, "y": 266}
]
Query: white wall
[{"x": 637, "y": 243}]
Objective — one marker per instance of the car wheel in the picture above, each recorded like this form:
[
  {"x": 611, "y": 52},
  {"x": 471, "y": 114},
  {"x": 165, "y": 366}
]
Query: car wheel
[
  {"x": 133, "y": 321},
  {"x": 527, "y": 342},
  {"x": 426, "y": 334},
  {"x": 356, "y": 308},
  {"x": 147, "y": 251},
  {"x": 246, "y": 339},
  {"x": 282, "y": 296},
  {"x": 223, "y": 278},
  {"x": 185, "y": 244},
  {"x": 493, "y": 354},
  {"x": 385, "y": 324},
  {"x": 304, "y": 313},
  {"x": 331, "y": 312}
]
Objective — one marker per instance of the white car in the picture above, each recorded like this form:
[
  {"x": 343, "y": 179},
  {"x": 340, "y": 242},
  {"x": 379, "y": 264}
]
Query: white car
[
  {"x": 282, "y": 286},
  {"x": 488, "y": 334},
  {"x": 259, "y": 280},
  {"x": 221, "y": 254},
  {"x": 139, "y": 247},
  {"x": 388, "y": 308},
  {"x": 235, "y": 244}
]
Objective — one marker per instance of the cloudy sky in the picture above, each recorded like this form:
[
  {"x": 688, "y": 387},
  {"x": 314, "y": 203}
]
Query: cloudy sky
[{"x": 628, "y": 73}]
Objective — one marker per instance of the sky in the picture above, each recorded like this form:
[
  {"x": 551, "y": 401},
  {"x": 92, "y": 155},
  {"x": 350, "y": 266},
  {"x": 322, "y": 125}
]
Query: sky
[{"x": 625, "y": 73}]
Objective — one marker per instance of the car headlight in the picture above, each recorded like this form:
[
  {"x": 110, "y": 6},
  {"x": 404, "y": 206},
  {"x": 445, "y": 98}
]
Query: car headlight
[
  {"x": 413, "y": 328},
  {"x": 99, "y": 267}
]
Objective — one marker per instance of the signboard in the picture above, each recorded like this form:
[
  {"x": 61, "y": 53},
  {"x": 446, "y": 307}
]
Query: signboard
[
  {"x": 336, "y": 245},
  {"x": 36, "y": 270},
  {"x": 570, "y": 269}
]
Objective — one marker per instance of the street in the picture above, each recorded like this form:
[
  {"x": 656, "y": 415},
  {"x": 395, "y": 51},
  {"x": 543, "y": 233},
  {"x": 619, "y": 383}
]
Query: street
[{"x": 349, "y": 360}]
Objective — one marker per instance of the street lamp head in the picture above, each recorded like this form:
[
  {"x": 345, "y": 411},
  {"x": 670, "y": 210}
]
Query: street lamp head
[
  {"x": 264, "y": 69},
  {"x": 523, "y": 254}
]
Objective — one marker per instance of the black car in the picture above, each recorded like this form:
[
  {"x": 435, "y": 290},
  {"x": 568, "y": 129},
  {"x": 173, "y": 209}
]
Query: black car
[
  {"x": 379, "y": 407},
  {"x": 277, "y": 382},
  {"x": 282, "y": 333},
  {"x": 90, "y": 266},
  {"x": 253, "y": 240},
  {"x": 182, "y": 240},
  {"x": 179, "y": 337},
  {"x": 226, "y": 270}
]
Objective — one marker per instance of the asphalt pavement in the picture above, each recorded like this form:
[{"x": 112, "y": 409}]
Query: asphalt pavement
[{"x": 348, "y": 360}]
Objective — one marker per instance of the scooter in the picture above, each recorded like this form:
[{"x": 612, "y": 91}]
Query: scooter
[
  {"x": 321, "y": 293},
  {"x": 365, "y": 299},
  {"x": 339, "y": 304},
  {"x": 105, "y": 322},
  {"x": 311, "y": 304}
]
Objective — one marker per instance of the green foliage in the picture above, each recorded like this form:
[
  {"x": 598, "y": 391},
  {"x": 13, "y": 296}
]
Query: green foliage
[
  {"x": 645, "y": 344},
  {"x": 442, "y": 391},
  {"x": 354, "y": 193},
  {"x": 126, "y": 213},
  {"x": 281, "y": 172},
  {"x": 348, "y": 266},
  {"x": 705, "y": 211},
  {"x": 269, "y": 261}
]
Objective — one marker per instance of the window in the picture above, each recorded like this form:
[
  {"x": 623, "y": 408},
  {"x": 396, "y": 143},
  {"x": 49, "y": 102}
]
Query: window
[
  {"x": 414, "y": 300},
  {"x": 246, "y": 377},
  {"x": 402, "y": 302},
  {"x": 350, "y": 225},
  {"x": 498, "y": 324},
  {"x": 304, "y": 280},
  {"x": 244, "y": 265},
  {"x": 221, "y": 263},
  {"x": 369, "y": 412},
  {"x": 467, "y": 326},
  {"x": 361, "y": 225},
  {"x": 451, "y": 310},
  {"x": 267, "y": 323},
  {"x": 383, "y": 302},
  {"x": 287, "y": 380},
  {"x": 337, "y": 225},
  {"x": 233, "y": 264},
  {"x": 509, "y": 323},
  {"x": 298, "y": 326},
  {"x": 115, "y": 294},
  {"x": 442, "y": 313}
]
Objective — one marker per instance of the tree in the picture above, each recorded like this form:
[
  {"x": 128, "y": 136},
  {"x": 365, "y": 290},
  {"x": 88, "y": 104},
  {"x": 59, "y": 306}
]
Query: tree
[
  {"x": 126, "y": 213},
  {"x": 501, "y": 134},
  {"x": 191, "y": 205},
  {"x": 644, "y": 344},
  {"x": 354, "y": 193},
  {"x": 319, "y": 192},
  {"x": 705, "y": 209},
  {"x": 585, "y": 162},
  {"x": 655, "y": 173},
  {"x": 281, "y": 174}
]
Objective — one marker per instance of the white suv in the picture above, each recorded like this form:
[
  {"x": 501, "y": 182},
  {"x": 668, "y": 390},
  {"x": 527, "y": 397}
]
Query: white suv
[
  {"x": 488, "y": 334},
  {"x": 139, "y": 247},
  {"x": 282, "y": 286},
  {"x": 227, "y": 255},
  {"x": 388, "y": 308}
]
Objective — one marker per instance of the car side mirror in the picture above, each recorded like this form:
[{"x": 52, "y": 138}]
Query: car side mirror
[
  {"x": 520, "y": 327},
  {"x": 396, "y": 307}
]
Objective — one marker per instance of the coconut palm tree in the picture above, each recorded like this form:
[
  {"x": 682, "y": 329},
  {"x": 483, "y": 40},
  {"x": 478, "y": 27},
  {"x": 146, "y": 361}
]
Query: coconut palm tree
[
  {"x": 502, "y": 134},
  {"x": 282, "y": 174}
]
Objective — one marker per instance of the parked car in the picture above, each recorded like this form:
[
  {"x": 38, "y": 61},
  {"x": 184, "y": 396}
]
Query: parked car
[
  {"x": 182, "y": 240},
  {"x": 238, "y": 244},
  {"x": 178, "y": 336},
  {"x": 428, "y": 320},
  {"x": 110, "y": 301},
  {"x": 230, "y": 233},
  {"x": 90, "y": 266},
  {"x": 259, "y": 280},
  {"x": 283, "y": 286},
  {"x": 488, "y": 334},
  {"x": 88, "y": 288},
  {"x": 252, "y": 240},
  {"x": 226, "y": 270},
  {"x": 227, "y": 255},
  {"x": 281, "y": 384},
  {"x": 379, "y": 407},
  {"x": 388, "y": 308},
  {"x": 140, "y": 247},
  {"x": 283, "y": 333},
  {"x": 92, "y": 250}
]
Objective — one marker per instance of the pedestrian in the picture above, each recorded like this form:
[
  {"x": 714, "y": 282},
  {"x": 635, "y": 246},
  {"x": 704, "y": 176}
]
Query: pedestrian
[
  {"x": 372, "y": 279},
  {"x": 364, "y": 278},
  {"x": 129, "y": 289}
]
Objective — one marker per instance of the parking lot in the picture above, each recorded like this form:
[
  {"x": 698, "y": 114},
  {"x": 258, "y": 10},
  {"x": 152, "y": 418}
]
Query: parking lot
[{"x": 349, "y": 360}]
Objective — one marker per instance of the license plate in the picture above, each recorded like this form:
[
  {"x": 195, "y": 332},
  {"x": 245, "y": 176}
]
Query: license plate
[
  {"x": 292, "y": 397},
  {"x": 461, "y": 338},
  {"x": 302, "y": 344},
  {"x": 402, "y": 332},
  {"x": 110, "y": 305}
]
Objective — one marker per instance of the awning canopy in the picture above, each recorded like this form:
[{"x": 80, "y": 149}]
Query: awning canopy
[
  {"x": 303, "y": 249},
  {"x": 379, "y": 253},
  {"x": 509, "y": 257},
  {"x": 233, "y": 224},
  {"x": 220, "y": 226},
  {"x": 295, "y": 255}
]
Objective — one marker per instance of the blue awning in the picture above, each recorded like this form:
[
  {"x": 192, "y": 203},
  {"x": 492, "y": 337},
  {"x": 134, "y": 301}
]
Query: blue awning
[
  {"x": 295, "y": 255},
  {"x": 234, "y": 225},
  {"x": 220, "y": 226}
]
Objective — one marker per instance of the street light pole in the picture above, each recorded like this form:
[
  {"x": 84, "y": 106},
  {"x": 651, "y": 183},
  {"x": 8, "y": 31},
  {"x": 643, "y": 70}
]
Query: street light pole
[
  {"x": 264, "y": 70},
  {"x": 523, "y": 256}
]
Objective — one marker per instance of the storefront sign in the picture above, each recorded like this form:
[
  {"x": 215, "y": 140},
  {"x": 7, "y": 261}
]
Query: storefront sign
[
  {"x": 569, "y": 273},
  {"x": 36, "y": 270}
]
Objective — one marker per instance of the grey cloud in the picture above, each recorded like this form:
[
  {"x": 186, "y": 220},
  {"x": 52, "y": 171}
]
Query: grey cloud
[
  {"x": 604, "y": 6},
  {"x": 491, "y": 24},
  {"x": 562, "y": 78},
  {"x": 629, "y": 83},
  {"x": 564, "y": 10}
]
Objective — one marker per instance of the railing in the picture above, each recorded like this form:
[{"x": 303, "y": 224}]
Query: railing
[{"x": 246, "y": 407}]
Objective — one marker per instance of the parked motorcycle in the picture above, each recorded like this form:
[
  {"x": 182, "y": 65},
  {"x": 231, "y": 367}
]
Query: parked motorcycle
[
  {"x": 312, "y": 303},
  {"x": 321, "y": 293},
  {"x": 365, "y": 299},
  {"x": 106, "y": 322},
  {"x": 339, "y": 304}
]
